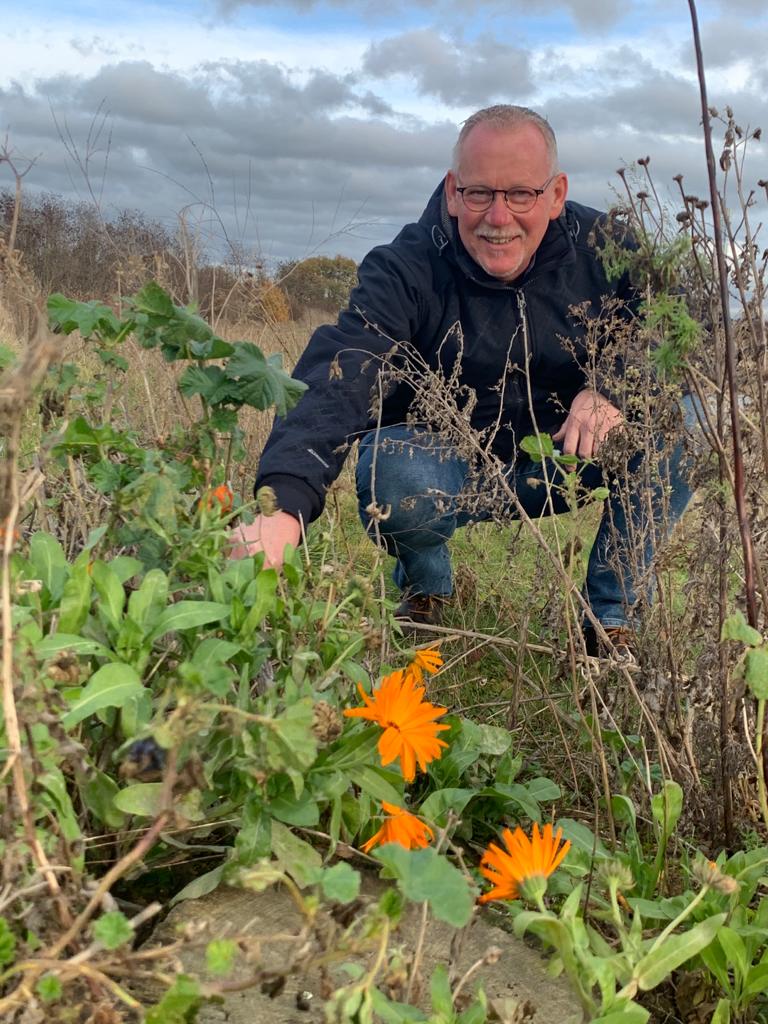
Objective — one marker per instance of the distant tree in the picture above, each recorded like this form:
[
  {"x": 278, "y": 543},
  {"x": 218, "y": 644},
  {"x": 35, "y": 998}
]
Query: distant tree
[{"x": 319, "y": 282}]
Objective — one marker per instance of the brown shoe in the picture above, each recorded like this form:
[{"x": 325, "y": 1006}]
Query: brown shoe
[
  {"x": 624, "y": 642},
  {"x": 421, "y": 609}
]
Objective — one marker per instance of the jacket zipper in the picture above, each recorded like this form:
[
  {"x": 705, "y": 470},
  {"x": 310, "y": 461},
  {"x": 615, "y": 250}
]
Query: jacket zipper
[{"x": 522, "y": 312}]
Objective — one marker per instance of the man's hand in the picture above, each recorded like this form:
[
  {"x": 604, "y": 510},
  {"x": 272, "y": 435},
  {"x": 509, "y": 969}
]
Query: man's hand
[
  {"x": 588, "y": 423},
  {"x": 269, "y": 534}
]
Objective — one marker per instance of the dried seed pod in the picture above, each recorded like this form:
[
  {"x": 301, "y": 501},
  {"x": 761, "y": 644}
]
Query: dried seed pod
[{"x": 327, "y": 723}]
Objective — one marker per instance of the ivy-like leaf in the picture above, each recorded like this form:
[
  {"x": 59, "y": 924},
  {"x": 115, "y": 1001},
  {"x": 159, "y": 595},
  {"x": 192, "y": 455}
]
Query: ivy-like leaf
[
  {"x": 210, "y": 382},
  {"x": 112, "y": 929},
  {"x": 262, "y": 382},
  {"x": 86, "y": 317}
]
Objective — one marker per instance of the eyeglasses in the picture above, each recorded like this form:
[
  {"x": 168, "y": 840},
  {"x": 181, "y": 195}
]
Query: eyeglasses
[{"x": 519, "y": 198}]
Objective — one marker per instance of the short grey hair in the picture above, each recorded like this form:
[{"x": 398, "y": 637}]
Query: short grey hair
[{"x": 506, "y": 115}]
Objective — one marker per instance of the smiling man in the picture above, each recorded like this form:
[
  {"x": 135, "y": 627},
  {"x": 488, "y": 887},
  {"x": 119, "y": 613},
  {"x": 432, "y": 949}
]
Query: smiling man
[{"x": 482, "y": 288}]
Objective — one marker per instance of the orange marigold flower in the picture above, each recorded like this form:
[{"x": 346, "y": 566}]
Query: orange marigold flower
[
  {"x": 524, "y": 859},
  {"x": 400, "y": 827},
  {"x": 221, "y": 494},
  {"x": 428, "y": 660},
  {"x": 409, "y": 723}
]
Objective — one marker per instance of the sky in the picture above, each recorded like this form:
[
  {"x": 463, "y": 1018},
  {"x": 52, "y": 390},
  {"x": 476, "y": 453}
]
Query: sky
[{"x": 288, "y": 129}]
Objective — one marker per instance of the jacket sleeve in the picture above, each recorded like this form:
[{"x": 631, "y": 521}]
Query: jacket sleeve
[{"x": 306, "y": 449}]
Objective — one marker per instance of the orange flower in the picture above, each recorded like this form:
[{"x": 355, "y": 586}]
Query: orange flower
[
  {"x": 400, "y": 827},
  {"x": 428, "y": 660},
  {"x": 223, "y": 495},
  {"x": 410, "y": 729},
  {"x": 524, "y": 859}
]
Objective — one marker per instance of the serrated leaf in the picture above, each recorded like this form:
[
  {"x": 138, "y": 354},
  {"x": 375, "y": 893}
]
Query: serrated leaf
[
  {"x": 49, "y": 988},
  {"x": 210, "y": 382},
  {"x": 262, "y": 382},
  {"x": 340, "y": 883},
  {"x": 86, "y": 317},
  {"x": 736, "y": 627},
  {"x": 109, "y": 687},
  {"x": 425, "y": 875},
  {"x": 220, "y": 956},
  {"x": 112, "y": 929}
]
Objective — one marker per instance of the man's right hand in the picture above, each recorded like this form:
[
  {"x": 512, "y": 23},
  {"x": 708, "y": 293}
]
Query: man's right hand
[{"x": 269, "y": 534}]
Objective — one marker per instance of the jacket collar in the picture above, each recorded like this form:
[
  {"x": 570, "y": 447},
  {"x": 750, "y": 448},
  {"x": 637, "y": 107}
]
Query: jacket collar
[{"x": 556, "y": 247}]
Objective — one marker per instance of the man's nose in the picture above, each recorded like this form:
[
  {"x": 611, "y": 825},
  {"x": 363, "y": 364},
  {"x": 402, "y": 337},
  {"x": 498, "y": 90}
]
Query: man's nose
[{"x": 498, "y": 213}]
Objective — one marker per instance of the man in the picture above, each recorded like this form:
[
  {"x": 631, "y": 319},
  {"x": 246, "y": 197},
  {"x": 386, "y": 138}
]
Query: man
[{"x": 486, "y": 282}]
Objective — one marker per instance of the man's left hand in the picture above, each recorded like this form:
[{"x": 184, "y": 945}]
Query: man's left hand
[{"x": 588, "y": 423}]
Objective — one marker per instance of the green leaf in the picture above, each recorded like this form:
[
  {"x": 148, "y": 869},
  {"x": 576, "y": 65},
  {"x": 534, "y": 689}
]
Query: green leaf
[
  {"x": 674, "y": 951},
  {"x": 153, "y": 300},
  {"x": 756, "y": 673},
  {"x": 440, "y": 992},
  {"x": 98, "y": 793},
  {"x": 295, "y": 857},
  {"x": 427, "y": 875},
  {"x": 86, "y": 317},
  {"x": 736, "y": 627},
  {"x": 220, "y": 956},
  {"x": 178, "y": 1004},
  {"x": 109, "y": 687},
  {"x": 188, "y": 615},
  {"x": 735, "y": 951},
  {"x": 49, "y": 988},
  {"x": 262, "y": 382},
  {"x": 200, "y": 886},
  {"x": 667, "y": 806},
  {"x": 80, "y": 645},
  {"x": 340, "y": 883},
  {"x": 76, "y": 597},
  {"x": 7, "y": 943},
  {"x": 722, "y": 1014},
  {"x": 631, "y": 1013},
  {"x": 263, "y": 603},
  {"x": 143, "y": 800},
  {"x": 373, "y": 783},
  {"x": 538, "y": 447},
  {"x": 210, "y": 382},
  {"x": 49, "y": 563},
  {"x": 435, "y": 808},
  {"x": 301, "y": 811},
  {"x": 111, "y": 592},
  {"x": 290, "y": 742},
  {"x": 112, "y": 929}
]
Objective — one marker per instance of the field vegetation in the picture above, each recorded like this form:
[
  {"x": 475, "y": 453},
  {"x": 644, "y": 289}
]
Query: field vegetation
[{"x": 173, "y": 720}]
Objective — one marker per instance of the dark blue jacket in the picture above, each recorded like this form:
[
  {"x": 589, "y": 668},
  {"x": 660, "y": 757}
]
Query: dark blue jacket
[{"x": 424, "y": 288}]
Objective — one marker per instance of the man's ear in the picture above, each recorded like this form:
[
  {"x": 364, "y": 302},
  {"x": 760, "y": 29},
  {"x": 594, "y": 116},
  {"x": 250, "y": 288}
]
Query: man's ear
[
  {"x": 451, "y": 195},
  {"x": 559, "y": 192}
]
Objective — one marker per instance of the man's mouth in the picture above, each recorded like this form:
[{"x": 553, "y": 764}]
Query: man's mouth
[{"x": 499, "y": 239}]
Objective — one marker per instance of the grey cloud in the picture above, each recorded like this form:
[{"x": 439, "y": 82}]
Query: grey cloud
[{"x": 457, "y": 73}]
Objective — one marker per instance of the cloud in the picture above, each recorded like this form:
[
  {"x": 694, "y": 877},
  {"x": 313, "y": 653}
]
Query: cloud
[{"x": 456, "y": 72}]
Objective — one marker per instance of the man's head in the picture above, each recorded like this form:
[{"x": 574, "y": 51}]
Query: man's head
[{"x": 504, "y": 147}]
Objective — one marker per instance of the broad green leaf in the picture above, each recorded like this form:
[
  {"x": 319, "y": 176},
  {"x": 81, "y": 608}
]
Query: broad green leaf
[
  {"x": 538, "y": 447},
  {"x": 98, "y": 793},
  {"x": 125, "y": 567},
  {"x": 153, "y": 300},
  {"x": 486, "y": 739},
  {"x": 86, "y": 317},
  {"x": 188, "y": 615},
  {"x": 736, "y": 627},
  {"x": 543, "y": 790},
  {"x": 109, "y": 687},
  {"x": 110, "y": 591},
  {"x": 179, "y": 1003},
  {"x": 667, "y": 806},
  {"x": 112, "y": 929},
  {"x": 301, "y": 811},
  {"x": 734, "y": 949},
  {"x": 340, "y": 883},
  {"x": 291, "y": 744},
  {"x": 631, "y": 1013},
  {"x": 295, "y": 857},
  {"x": 262, "y": 382},
  {"x": 76, "y": 597},
  {"x": 391, "y": 1012},
  {"x": 210, "y": 382},
  {"x": 49, "y": 562},
  {"x": 427, "y": 875},
  {"x": 80, "y": 645},
  {"x": 756, "y": 673},
  {"x": 264, "y": 603},
  {"x": 435, "y": 808},
  {"x": 674, "y": 951}
]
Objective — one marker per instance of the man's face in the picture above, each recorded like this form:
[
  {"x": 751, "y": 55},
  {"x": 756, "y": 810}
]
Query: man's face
[{"x": 501, "y": 241}]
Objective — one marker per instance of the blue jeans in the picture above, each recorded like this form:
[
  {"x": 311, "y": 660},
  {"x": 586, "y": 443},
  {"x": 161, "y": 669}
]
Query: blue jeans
[{"x": 417, "y": 478}]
